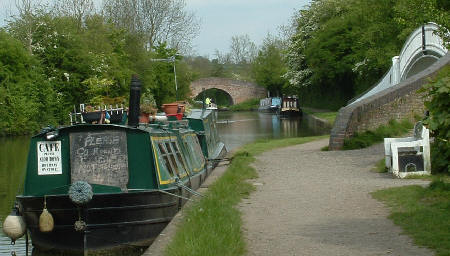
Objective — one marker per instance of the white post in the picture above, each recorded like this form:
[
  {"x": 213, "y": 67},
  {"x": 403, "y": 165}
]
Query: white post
[{"x": 395, "y": 70}]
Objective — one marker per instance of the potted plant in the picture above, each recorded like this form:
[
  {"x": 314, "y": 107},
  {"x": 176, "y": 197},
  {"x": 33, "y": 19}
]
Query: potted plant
[
  {"x": 91, "y": 115},
  {"x": 148, "y": 106}
]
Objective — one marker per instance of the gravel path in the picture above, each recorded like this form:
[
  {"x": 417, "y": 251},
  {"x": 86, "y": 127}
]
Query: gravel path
[{"x": 310, "y": 202}]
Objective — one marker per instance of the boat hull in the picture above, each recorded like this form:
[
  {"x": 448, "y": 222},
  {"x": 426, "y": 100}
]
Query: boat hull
[{"x": 113, "y": 221}]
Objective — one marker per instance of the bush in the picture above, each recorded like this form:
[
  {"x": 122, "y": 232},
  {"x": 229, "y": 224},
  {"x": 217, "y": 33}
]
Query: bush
[
  {"x": 438, "y": 103},
  {"x": 368, "y": 138}
]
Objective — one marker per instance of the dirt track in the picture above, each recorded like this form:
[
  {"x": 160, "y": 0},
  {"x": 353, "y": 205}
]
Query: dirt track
[{"x": 310, "y": 202}]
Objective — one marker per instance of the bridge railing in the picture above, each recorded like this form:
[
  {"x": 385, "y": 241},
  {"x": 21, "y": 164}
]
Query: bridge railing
[{"x": 421, "y": 42}]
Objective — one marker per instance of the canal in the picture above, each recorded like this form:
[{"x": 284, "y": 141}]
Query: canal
[{"x": 235, "y": 129}]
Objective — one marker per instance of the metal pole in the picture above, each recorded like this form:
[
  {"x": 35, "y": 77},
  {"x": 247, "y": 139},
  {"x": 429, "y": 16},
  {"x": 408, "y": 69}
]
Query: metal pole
[{"x": 176, "y": 85}]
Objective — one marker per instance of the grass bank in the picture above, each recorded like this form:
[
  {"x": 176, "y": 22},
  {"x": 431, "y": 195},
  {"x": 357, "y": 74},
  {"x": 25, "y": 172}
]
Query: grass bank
[
  {"x": 212, "y": 226},
  {"x": 248, "y": 105},
  {"x": 423, "y": 213},
  {"x": 329, "y": 116},
  {"x": 368, "y": 138}
]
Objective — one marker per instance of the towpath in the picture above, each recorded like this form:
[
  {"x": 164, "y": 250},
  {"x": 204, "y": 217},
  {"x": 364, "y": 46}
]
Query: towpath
[{"x": 310, "y": 202}]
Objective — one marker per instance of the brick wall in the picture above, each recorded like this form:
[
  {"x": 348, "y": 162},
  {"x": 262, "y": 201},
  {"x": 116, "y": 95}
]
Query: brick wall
[{"x": 401, "y": 101}]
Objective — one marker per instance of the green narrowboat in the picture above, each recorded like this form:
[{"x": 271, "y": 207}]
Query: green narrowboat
[{"x": 97, "y": 187}]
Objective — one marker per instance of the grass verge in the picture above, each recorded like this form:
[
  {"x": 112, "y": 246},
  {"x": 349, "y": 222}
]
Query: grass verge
[
  {"x": 329, "y": 116},
  {"x": 380, "y": 167},
  {"x": 423, "y": 213},
  {"x": 212, "y": 226},
  {"x": 368, "y": 138},
  {"x": 248, "y": 105}
]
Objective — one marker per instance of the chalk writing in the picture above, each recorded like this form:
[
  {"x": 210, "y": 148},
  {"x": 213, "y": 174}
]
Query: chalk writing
[{"x": 100, "y": 158}]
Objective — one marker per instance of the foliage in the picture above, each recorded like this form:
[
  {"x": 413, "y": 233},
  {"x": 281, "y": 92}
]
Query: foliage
[
  {"x": 251, "y": 104},
  {"x": 213, "y": 226},
  {"x": 26, "y": 99},
  {"x": 268, "y": 67},
  {"x": 423, "y": 213},
  {"x": 368, "y": 138},
  {"x": 438, "y": 104},
  {"x": 81, "y": 57},
  {"x": 340, "y": 48}
]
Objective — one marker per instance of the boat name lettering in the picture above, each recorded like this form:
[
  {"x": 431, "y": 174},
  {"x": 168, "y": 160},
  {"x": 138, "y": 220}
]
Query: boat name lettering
[{"x": 101, "y": 139}]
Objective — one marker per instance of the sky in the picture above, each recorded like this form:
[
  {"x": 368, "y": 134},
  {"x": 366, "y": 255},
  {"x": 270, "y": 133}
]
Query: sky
[{"x": 222, "y": 19}]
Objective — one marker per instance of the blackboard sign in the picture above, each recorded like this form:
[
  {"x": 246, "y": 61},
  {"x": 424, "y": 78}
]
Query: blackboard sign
[{"x": 99, "y": 158}]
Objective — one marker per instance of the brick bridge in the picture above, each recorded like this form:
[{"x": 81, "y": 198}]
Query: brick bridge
[
  {"x": 396, "y": 96},
  {"x": 238, "y": 91}
]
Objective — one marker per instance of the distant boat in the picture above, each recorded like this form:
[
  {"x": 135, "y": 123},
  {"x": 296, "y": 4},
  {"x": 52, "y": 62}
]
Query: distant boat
[
  {"x": 211, "y": 106},
  {"x": 110, "y": 186},
  {"x": 290, "y": 106},
  {"x": 270, "y": 105}
]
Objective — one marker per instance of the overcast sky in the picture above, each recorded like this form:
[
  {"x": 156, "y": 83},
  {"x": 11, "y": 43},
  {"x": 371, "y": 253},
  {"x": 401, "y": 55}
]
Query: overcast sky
[{"x": 222, "y": 19}]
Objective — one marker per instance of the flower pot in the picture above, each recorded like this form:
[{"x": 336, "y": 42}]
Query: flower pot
[
  {"x": 90, "y": 117},
  {"x": 170, "y": 109}
]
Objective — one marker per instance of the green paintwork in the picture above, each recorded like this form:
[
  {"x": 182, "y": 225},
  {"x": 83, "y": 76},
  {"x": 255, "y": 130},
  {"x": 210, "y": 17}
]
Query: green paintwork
[
  {"x": 204, "y": 123},
  {"x": 144, "y": 154}
]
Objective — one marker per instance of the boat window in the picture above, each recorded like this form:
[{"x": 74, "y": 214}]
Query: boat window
[
  {"x": 165, "y": 157},
  {"x": 175, "y": 166},
  {"x": 178, "y": 154}
]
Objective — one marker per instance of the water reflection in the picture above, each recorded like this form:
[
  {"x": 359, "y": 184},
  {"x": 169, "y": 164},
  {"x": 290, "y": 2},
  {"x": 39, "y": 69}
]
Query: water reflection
[
  {"x": 13, "y": 154},
  {"x": 239, "y": 128}
]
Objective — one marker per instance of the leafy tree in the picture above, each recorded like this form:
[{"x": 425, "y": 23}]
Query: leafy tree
[
  {"x": 27, "y": 102},
  {"x": 268, "y": 67},
  {"x": 438, "y": 103}
]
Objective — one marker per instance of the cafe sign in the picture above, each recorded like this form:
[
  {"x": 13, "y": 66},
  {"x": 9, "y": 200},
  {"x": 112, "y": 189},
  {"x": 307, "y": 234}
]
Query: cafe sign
[{"x": 49, "y": 157}]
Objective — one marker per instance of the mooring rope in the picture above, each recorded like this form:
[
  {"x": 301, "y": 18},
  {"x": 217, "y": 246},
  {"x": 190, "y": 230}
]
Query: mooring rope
[
  {"x": 188, "y": 189},
  {"x": 175, "y": 195}
]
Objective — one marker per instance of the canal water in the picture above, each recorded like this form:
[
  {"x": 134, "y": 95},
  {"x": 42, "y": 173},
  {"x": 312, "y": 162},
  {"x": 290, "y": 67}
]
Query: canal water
[{"x": 235, "y": 129}]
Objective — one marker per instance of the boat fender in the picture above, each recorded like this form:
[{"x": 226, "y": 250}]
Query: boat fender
[
  {"x": 80, "y": 225},
  {"x": 46, "y": 222},
  {"x": 14, "y": 226},
  {"x": 80, "y": 192}
]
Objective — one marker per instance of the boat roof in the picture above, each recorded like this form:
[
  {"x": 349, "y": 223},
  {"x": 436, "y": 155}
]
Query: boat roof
[{"x": 199, "y": 113}]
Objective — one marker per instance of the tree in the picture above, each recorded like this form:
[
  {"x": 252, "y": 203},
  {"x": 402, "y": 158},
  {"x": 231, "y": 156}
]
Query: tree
[
  {"x": 27, "y": 102},
  {"x": 157, "y": 21},
  {"x": 242, "y": 49},
  {"x": 78, "y": 9},
  {"x": 269, "y": 67}
]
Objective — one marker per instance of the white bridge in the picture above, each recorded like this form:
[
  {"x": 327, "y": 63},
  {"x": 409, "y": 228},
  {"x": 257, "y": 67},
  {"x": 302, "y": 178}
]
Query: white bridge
[{"x": 421, "y": 50}]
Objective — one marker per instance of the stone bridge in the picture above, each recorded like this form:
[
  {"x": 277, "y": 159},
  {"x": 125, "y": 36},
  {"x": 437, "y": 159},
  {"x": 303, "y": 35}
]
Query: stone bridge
[
  {"x": 395, "y": 96},
  {"x": 238, "y": 91}
]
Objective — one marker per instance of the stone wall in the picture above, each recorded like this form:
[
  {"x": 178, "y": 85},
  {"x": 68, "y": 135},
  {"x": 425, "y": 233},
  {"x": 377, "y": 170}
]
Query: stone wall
[
  {"x": 401, "y": 101},
  {"x": 238, "y": 90}
]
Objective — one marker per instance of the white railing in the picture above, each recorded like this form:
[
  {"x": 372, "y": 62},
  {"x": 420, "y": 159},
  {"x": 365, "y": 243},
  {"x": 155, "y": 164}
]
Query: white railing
[{"x": 412, "y": 50}]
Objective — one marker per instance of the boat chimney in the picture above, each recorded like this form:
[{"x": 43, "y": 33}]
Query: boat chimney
[{"x": 135, "y": 98}]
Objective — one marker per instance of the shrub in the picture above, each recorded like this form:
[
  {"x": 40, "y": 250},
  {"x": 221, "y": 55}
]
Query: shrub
[
  {"x": 438, "y": 104},
  {"x": 368, "y": 138}
]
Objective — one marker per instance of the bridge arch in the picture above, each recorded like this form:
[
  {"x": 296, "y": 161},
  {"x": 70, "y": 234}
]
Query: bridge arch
[
  {"x": 423, "y": 48},
  {"x": 239, "y": 91}
]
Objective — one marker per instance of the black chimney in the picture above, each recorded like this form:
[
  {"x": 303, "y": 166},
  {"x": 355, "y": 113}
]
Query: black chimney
[{"x": 135, "y": 99}]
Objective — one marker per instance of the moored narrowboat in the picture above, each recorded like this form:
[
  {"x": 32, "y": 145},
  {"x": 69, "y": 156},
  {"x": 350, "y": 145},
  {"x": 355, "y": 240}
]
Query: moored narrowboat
[
  {"x": 290, "y": 106},
  {"x": 111, "y": 186},
  {"x": 270, "y": 105}
]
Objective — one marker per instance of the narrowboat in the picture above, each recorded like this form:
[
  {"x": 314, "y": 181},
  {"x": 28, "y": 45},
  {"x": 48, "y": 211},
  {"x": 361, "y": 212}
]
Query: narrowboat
[
  {"x": 270, "y": 105},
  {"x": 109, "y": 186},
  {"x": 290, "y": 106}
]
